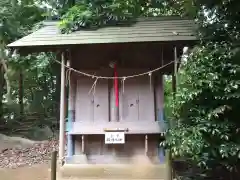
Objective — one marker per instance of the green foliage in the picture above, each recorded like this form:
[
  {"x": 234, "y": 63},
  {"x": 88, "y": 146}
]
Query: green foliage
[
  {"x": 40, "y": 94},
  {"x": 208, "y": 99},
  {"x": 17, "y": 19},
  {"x": 168, "y": 97},
  {"x": 207, "y": 107},
  {"x": 38, "y": 86},
  {"x": 99, "y": 13}
]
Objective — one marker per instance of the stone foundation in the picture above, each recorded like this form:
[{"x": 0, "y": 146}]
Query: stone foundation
[{"x": 113, "y": 171}]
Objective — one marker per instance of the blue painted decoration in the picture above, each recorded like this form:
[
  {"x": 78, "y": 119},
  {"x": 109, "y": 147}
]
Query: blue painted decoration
[
  {"x": 163, "y": 125},
  {"x": 69, "y": 136},
  {"x": 161, "y": 155}
]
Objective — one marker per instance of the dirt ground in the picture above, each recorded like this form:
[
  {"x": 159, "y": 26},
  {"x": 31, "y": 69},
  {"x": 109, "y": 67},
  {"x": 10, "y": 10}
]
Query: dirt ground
[{"x": 36, "y": 172}]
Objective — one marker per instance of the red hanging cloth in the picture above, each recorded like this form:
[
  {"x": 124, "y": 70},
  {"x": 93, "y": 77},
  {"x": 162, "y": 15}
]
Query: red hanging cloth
[{"x": 116, "y": 86}]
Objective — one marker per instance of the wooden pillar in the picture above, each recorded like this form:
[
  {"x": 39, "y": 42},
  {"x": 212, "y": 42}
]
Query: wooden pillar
[
  {"x": 169, "y": 165},
  {"x": 174, "y": 89},
  {"x": 21, "y": 95},
  {"x": 174, "y": 82},
  {"x": 83, "y": 144},
  {"x": 71, "y": 111},
  {"x": 160, "y": 113},
  {"x": 146, "y": 145},
  {"x": 54, "y": 166},
  {"x": 62, "y": 111},
  {"x": 161, "y": 103},
  {"x": 174, "y": 75},
  {"x": 161, "y": 150}
]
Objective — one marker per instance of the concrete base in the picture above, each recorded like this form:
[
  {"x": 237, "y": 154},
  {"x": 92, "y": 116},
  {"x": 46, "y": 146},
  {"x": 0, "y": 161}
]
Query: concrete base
[
  {"x": 77, "y": 159},
  {"x": 113, "y": 171}
]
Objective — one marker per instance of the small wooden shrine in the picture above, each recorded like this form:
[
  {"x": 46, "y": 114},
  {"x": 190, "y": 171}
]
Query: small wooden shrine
[{"x": 115, "y": 117}]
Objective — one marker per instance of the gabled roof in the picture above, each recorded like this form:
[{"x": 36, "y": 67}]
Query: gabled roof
[{"x": 144, "y": 30}]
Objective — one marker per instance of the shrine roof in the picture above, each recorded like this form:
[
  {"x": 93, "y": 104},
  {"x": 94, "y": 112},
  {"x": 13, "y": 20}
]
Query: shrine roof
[{"x": 154, "y": 29}]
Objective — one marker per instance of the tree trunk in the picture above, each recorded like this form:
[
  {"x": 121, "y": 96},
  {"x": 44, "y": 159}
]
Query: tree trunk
[
  {"x": 56, "y": 96},
  {"x": 4, "y": 70},
  {"x": 71, "y": 3},
  {"x": 21, "y": 105},
  {"x": 1, "y": 91}
]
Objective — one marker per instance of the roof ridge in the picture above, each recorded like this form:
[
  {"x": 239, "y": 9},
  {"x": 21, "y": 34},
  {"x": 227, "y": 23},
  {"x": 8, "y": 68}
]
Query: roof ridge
[
  {"x": 163, "y": 18},
  {"x": 140, "y": 19},
  {"x": 50, "y": 22}
]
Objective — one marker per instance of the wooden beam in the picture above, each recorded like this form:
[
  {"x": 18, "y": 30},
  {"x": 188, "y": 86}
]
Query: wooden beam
[
  {"x": 62, "y": 110},
  {"x": 116, "y": 129}
]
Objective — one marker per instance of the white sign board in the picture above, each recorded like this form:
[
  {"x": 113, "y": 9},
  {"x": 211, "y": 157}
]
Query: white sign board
[{"x": 114, "y": 138}]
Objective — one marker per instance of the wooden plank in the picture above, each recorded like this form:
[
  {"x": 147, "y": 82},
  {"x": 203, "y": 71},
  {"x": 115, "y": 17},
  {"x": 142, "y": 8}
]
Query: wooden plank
[
  {"x": 129, "y": 108},
  {"x": 146, "y": 98},
  {"x": 133, "y": 127},
  {"x": 84, "y": 100},
  {"x": 101, "y": 102}
]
